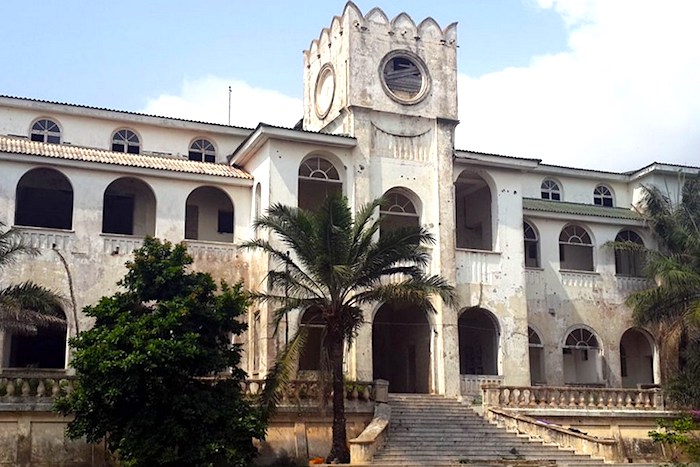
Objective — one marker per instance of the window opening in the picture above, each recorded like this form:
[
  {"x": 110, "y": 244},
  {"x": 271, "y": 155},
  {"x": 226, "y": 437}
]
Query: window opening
[
  {"x": 550, "y": 190},
  {"x": 532, "y": 246},
  {"x": 126, "y": 141},
  {"x": 46, "y": 131},
  {"x": 202, "y": 150},
  {"x": 602, "y": 196}
]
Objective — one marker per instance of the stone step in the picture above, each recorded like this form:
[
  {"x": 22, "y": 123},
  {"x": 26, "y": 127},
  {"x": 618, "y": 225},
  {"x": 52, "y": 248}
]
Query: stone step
[{"x": 427, "y": 430}]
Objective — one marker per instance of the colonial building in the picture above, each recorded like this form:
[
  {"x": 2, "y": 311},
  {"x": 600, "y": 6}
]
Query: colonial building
[{"x": 540, "y": 295}]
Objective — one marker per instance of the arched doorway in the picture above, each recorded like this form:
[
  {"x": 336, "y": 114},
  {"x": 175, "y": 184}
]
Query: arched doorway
[
  {"x": 44, "y": 199},
  {"x": 636, "y": 358},
  {"x": 473, "y": 212},
  {"x": 401, "y": 348},
  {"x": 129, "y": 208},
  {"x": 478, "y": 342},
  {"x": 536, "y": 348},
  {"x": 583, "y": 358}
]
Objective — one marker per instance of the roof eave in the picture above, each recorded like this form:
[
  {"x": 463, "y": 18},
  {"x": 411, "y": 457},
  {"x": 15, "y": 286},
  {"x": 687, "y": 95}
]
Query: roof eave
[{"x": 263, "y": 133}]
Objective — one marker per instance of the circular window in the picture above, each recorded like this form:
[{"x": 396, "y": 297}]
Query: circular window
[
  {"x": 404, "y": 77},
  {"x": 325, "y": 89}
]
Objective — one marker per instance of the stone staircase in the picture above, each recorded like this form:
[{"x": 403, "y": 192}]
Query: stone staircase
[{"x": 427, "y": 430}]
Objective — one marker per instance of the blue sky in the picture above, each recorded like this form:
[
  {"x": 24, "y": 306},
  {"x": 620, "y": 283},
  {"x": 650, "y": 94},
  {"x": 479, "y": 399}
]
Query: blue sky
[{"x": 597, "y": 83}]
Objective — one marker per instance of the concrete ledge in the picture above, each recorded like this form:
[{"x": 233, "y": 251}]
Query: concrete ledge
[{"x": 363, "y": 447}]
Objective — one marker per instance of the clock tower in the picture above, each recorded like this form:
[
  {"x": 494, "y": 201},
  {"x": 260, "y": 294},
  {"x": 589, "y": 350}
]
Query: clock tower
[{"x": 392, "y": 85}]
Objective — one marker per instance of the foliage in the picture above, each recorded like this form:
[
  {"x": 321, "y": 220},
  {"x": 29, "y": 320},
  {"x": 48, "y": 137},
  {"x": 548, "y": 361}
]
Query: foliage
[
  {"x": 680, "y": 435},
  {"x": 148, "y": 371},
  {"x": 673, "y": 303},
  {"x": 675, "y": 265},
  {"x": 27, "y": 306},
  {"x": 340, "y": 265}
]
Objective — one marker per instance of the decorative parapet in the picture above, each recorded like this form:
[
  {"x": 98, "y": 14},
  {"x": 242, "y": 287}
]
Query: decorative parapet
[
  {"x": 632, "y": 284},
  {"x": 578, "y": 398},
  {"x": 363, "y": 447},
  {"x": 120, "y": 244},
  {"x": 47, "y": 239},
  {"x": 580, "y": 279},
  {"x": 477, "y": 266},
  {"x": 403, "y": 24}
]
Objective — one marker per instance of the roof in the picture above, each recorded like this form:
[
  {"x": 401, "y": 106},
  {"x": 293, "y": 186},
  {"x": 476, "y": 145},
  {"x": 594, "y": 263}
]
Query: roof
[
  {"x": 580, "y": 209},
  {"x": 24, "y": 101},
  {"x": 77, "y": 153}
]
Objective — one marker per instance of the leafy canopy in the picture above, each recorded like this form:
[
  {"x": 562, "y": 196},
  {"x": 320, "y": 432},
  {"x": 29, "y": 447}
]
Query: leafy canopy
[{"x": 147, "y": 371}]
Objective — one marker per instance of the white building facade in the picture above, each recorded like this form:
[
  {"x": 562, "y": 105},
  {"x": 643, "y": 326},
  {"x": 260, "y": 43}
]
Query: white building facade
[{"x": 540, "y": 295}]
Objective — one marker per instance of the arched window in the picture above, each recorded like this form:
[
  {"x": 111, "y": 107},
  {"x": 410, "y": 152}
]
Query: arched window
[
  {"x": 575, "y": 249},
  {"x": 129, "y": 208},
  {"x": 127, "y": 141},
  {"x": 318, "y": 179},
  {"x": 45, "y": 131},
  {"x": 202, "y": 150},
  {"x": 532, "y": 246},
  {"x": 582, "y": 358},
  {"x": 209, "y": 215},
  {"x": 629, "y": 262},
  {"x": 537, "y": 375},
  {"x": 397, "y": 211},
  {"x": 602, "y": 196},
  {"x": 44, "y": 199},
  {"x": 550, "y": 190}
]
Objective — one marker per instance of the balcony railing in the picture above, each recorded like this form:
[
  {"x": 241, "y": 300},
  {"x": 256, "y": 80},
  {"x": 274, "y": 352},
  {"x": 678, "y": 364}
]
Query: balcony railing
[
  {"x": 477, "y": 266},
  {"x": 470, "y": 385},
  {"x": 572, "y": 398},
  {"x": 47, "y": 239},
  {"x": 211, "y": 251},
  {"x": 120, "y": 244}
]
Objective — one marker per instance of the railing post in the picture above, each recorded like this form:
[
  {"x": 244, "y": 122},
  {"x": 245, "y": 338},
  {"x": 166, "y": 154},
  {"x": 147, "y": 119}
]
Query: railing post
[
  {"x": 490, "y": 396},
  {"x": 658, "y": 396},
  {"x": 381, "y": 391}
]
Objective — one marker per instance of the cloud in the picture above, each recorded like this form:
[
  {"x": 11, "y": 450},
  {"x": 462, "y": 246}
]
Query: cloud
[
  {"x": 206, "y": 99},
  {"x": 626, "y": 93}
]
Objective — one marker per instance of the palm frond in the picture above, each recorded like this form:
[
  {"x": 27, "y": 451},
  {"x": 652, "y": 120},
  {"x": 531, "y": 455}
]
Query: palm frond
[
  {"x": 281, "y": 372},
  {"x": 26, "y": 307},
  {"x": 12, "y": 246}
]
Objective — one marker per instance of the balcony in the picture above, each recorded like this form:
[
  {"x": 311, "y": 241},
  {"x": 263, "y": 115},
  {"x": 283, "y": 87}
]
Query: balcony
[{"x": 477, "y": 266}]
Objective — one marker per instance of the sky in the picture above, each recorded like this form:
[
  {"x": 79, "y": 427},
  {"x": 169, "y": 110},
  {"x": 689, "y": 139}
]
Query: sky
[{"x": 602, "y": 84}]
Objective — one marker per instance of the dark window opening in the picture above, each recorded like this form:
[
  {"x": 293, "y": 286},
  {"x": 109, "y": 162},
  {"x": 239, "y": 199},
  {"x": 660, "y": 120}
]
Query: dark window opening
[
  {"x": 43, "y": 207},
  {"x": 225, "y": 224},
  {"x": 118, "y": 215}
]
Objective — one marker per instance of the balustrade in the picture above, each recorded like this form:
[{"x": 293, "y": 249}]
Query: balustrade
[
  {"x": 470, "y": 385},
  {"x": 572, "y": 398},
  {"x": 42, "y": 238},
  {"x": 121, "y": 244},
  {"x": 211, "y": 251},
  {"x": 476, "y": 266},
  {"x": 310, "y": 393},
  {"x": 38, "y": 388}
]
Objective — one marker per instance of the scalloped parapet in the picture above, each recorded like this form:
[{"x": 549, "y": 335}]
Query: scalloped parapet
[{"x": 403, "y": 24}]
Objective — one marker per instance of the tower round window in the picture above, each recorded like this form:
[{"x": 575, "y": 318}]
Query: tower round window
[{"x": 404, "y": 77}]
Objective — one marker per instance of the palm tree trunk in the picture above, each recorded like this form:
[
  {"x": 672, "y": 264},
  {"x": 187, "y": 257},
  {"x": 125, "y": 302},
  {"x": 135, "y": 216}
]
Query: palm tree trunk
[{"x": 339, "y": 450}]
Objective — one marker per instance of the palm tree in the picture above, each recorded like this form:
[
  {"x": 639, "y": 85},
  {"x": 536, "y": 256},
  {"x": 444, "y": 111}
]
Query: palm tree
[
  {"x": 338, "y": 266},
  {"x": 675, "y": 265},
  {"x": 672, "y": 305},
  {"x": 25, "y": 307}
]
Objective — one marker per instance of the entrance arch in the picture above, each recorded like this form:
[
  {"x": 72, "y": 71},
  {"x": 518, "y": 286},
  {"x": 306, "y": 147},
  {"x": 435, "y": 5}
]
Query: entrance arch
[
  {"x": 401, "y": 348},
  {"x": 478, "y": 342},
  {"x": 636, "y": 358},
  {"x": 582, "y": 358}
]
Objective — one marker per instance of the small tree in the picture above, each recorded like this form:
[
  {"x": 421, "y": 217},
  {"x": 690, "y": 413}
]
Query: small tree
[
  {"x": 148, "y": 371},
  {"x": 339, "y": 266}
]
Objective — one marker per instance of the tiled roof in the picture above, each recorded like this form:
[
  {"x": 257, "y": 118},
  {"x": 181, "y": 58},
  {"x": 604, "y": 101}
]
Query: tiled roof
[
  {"x": 559, "y": 207},
  {"x": 77, "y": 153}
]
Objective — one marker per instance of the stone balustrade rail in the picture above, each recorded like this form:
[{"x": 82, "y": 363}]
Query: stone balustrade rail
[
  {"x": 572, "y": 398},
  {"x": 37, "y": 387}
]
